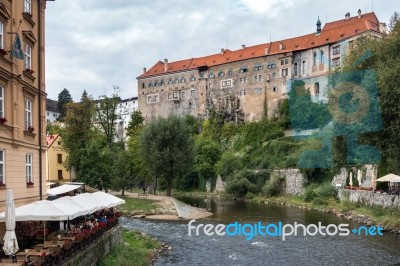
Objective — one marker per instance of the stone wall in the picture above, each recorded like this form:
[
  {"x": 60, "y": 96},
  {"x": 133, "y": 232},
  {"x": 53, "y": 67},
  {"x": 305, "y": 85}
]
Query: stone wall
[
  {"x": 369, "y": 198},
  {"x": 294, "y": 181},
  {"x": 368, "y": 174},
  {"x": 91, "y": 255}
]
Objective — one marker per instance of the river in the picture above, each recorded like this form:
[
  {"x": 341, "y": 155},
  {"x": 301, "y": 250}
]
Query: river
[{"x": 266, "y": 250}]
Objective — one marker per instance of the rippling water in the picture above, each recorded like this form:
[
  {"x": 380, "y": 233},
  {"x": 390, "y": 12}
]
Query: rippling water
[{"x": 299, "y": 250}]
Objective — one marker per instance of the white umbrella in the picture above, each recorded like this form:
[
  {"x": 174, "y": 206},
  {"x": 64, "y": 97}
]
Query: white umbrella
[
  {"x": 85, "y": 207},
  {"x": 107, "y": 199},
  {"x": 359, "y": 177},
  {"x": 351, "y": 179},
  {"x": 10, "y": 239}
]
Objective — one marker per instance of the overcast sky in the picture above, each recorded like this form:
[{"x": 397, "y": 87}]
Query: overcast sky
[{"x": 96, "y": 44}]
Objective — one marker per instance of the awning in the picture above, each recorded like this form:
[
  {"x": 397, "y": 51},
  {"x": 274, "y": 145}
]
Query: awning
[
  {"x": 388, "y": 178},
  {"x": 62, "y": 189}
]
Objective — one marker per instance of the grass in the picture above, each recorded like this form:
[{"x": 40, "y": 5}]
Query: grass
[
  {"x": 136, "y": 249},
  {"x": 138, "y": 206}
]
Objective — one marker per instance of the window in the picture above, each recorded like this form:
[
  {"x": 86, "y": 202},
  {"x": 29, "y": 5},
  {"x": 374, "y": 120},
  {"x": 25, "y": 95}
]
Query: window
[
  {"x": 162, "y": 83},
  {"x": 183, "y": 80},
  {"x": 258, "y": 67},
  {"x": 255, "y": 78},
  {"x": 210, "y": 84},
  {"x": 60, "y": 174},
  {"x": 169, "y": 95},
  {"x": 336, "y": 49},
  {"x": 226, "y": 83},
  {"x": 321, "y": 60},
  {"x": 314, "y": 59},
  {"x": 271, "y": 65},
  {"x": 59, "y": 158},
  {"x": 28, "y": 167},
  {"x": 221, "y": 74},
  {"x": 259, "y": 77},
  {"x": 155, "y": 83},
  {"x": 295, "y": 69},
  {"x": 284, "y": 72},
  {"x": 176, "y": 81},
  {"x": 152, "y": 98},
  {"x": 284, "y": 61},
  {"x": 183, "y": 94},
  {"x": 211, "y": 75},
  {"x": 274, "y": 88},
  {"x": 143, "y": 85},
  {"x": 273, "y": 75},
  {"x": 28, "y": 113},
  {"x": 27, "y": 6},
  {"x": 243, "y": 70},
  {"x": 336, "y": 62},
  {"x": 1, "y": 34},
  {"x": 169, "y": 82},
  {"x": 192, "y": 78},
  {"x": 258, "y": 90},
  {"x": 1, "y": 102},
  {"x": 316, "y": 88},
  {"x": 28, "y": 56},
  {"x": 230, "y": 72},
  {"x": 2, "y": 172},
  {"x": 304, "y": 67},
  {"x": 150, "y": 85},
  {"x": 175, "y": 95},
  {"x": 192, "y": 92}
]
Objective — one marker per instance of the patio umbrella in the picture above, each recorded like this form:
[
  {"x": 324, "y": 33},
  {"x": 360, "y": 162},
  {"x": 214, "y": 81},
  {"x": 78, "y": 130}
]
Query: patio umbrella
[
  {"x": 107, "y": 199},
  {"x": 10, "y": 239},
  {"x": 359, "y": 177},
  {"x": 351, "y": 179},
  {"x": 387, "y": 178}
]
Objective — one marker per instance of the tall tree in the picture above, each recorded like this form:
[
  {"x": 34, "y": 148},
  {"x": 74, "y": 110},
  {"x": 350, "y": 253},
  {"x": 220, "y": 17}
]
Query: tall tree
[
  {"x": 64, "y": 97},
  {"x": 207, "y": 155},
  {"x": 106, "y": 115},
  {"x": 167, "y": 149},
  {"x": 84, "y": 96},
  {"x": 77, "y": 132},
  {"x": 124, "y": 175},
  {"x": 393, "y": 20}
]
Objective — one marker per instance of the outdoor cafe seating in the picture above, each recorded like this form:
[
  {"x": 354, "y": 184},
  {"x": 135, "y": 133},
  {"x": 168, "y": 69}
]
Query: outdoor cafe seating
[{"x": 52, "y": 240}]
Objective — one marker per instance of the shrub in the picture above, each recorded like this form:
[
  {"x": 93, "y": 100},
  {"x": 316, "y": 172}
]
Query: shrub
[
  {"x": 320, "y": 194},
  {"x": 274, "y": 186},
  {"x": 239, "y": 187},
  {"x": 228, "y": 163},
  {"x": 250, "y": 195}
]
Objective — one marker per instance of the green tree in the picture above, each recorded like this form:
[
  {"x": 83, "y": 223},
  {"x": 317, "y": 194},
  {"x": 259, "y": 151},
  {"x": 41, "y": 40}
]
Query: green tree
[
  {"x": 207, "y": 155},
  {"x": 84, "y": 96},
  {"x": 64, "y": 97},
  {"x": 53, "y": 128},
  {"x": 106, "y": 116},
  {"x": 136, "y": 122},
  {"x": 393, "y": 21},
  {"x": 77, "y": 132},
  {"x": 167, "y": 149},
  {"x": 124, "y": 175}
]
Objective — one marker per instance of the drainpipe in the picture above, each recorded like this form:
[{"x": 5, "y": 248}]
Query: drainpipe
[{"x": 40, "y": 98}]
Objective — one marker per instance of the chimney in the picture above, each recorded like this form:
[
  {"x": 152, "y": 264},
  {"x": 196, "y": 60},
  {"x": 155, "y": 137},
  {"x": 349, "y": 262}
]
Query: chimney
[
  {"x": 281, "y": 46},
  {"x": 266, "y": 50},
  {"x": 359, "y": 13},
  {"x": 222, "y": 51},
  {"x": 165, "y": 65},
  {"x": 243, "y": 46},
  {"x": 144, "y": 70},
  {"x": 347, "y": 16}
]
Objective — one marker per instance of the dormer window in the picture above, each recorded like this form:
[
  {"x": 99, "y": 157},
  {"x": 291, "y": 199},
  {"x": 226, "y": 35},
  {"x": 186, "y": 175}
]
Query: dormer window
[
  {"x": 27, "y": 6},
  {"x": 243, "y": 70}
]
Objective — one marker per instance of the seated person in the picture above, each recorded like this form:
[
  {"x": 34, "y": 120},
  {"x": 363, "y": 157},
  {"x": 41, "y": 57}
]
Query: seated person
[{"x": 102, "y": 219}]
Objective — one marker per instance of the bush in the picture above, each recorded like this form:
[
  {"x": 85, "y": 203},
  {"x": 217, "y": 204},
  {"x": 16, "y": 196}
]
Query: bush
[
  {"x": 228, "y": 163},
  {"x": 239, "y": 187},
  {"x": 274, "y": 186},
  {"x": 250, "y": 195},
  {"x": 320, "y": 194}
]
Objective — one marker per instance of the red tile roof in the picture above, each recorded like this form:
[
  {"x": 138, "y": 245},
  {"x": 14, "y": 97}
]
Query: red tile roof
[
  {"x": 51, "y": 139},
  {"x": 332, "y": 32}
]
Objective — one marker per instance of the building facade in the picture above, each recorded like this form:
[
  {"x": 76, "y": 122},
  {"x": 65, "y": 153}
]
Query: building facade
[
  {"x": 51, "y": 111},
  {"x": 56, "y": 157},
  {"x": 247, "y": 84},
  {"x": 22, "y": 100},
  {"x": 124, "y": 110}
]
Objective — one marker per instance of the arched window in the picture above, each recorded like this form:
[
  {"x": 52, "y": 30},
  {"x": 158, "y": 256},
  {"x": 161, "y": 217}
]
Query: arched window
[
  {"x": 316, "y": 88},
  {"x": 295, "y": 69},
  {"x": 321, "y": 59},
  {"x": 314, "y": 59},
  {"x": 304, "y": 67}
]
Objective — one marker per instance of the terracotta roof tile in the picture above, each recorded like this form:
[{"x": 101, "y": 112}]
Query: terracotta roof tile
[{"x": 332, "y": 32}]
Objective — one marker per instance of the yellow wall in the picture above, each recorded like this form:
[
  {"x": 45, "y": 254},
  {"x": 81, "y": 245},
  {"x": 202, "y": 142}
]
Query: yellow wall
[
  {"x": 54, "y": 165},
  {"x": 19, "y": 85}
]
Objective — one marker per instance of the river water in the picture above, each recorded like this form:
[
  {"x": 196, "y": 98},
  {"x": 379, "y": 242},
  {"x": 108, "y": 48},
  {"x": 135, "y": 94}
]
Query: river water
[{"x": 266, "y": 250}]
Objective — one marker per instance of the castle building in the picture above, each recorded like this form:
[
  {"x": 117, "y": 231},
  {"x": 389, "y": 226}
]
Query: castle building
[{"x": 248, "y": 83}]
